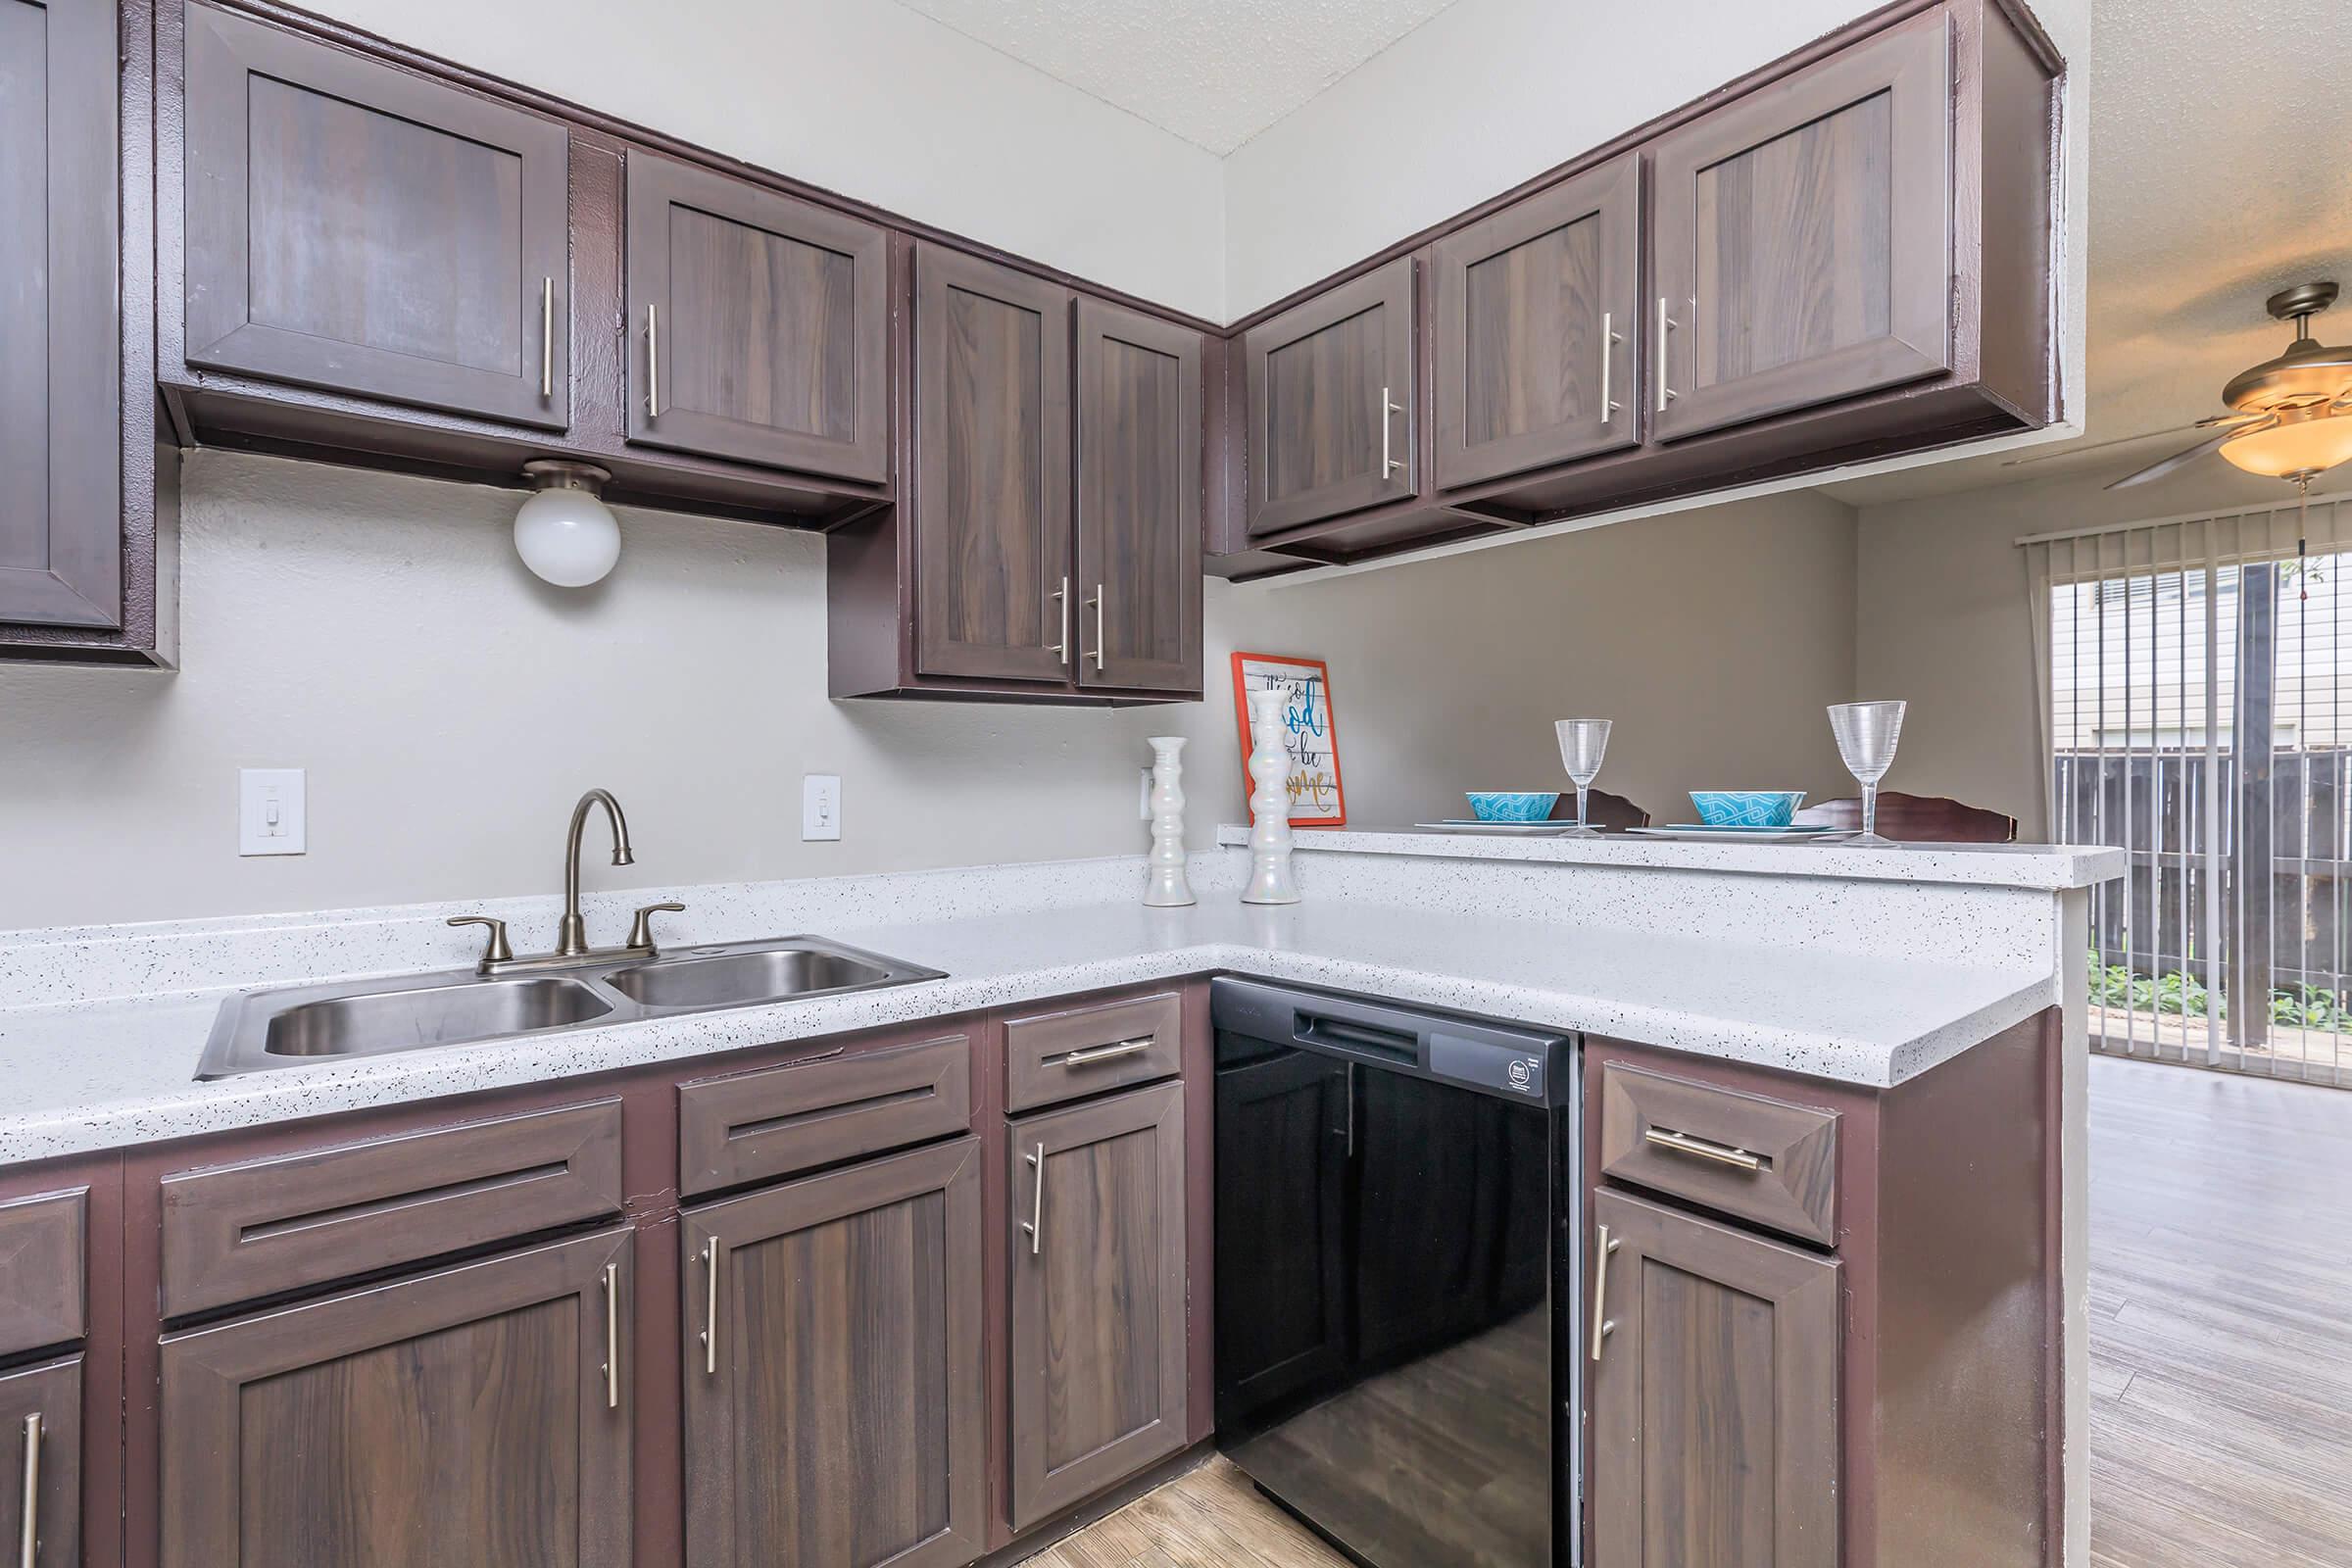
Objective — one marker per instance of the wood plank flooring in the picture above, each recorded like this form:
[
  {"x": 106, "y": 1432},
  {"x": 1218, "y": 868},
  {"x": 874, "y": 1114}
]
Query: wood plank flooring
[{"x": 2221, "y": 1301}]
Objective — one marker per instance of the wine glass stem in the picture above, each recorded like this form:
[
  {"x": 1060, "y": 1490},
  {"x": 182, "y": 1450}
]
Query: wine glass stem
[
  {"x": 1580, "y": 806},
  {"x": 1870, "y": 811}
]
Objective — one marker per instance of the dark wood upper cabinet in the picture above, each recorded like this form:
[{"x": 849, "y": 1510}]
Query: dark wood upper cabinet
[
  {"x": 61, "y": 492},
  {"x": 839, "y": 1419},
  {"x": 1804, "y": 238},
  {"x": 1098, "y": 1328},
  {"x": 1331, "y": 402},
  {"x": 476, "y": 1415},
  {"x": 1538, "y": 328},
  {"x": 992, "y": 471},
  {"x": 1714, "y": 1401},
  {"x": 360, "y": 229},
  {"x": 42, "y": 1404},
  {"x": 1140, "y": 482},
  {"x": 759, "y": 324}
]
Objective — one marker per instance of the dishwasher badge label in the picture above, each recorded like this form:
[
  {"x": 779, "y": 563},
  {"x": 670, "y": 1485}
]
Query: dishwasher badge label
[{"x": 1522, "y": 1075}]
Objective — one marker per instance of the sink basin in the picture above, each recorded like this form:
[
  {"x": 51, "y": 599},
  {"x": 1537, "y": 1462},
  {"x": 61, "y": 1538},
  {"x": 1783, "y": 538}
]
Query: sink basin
[
  {"x": 743, "y": 979},
  {"x": 284, "y": 1027},
  {"x": 429, "y": 1016}
]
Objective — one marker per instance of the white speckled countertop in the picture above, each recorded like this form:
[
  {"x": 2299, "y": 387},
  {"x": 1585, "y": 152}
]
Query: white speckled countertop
[{"x": 107, "y": 1062}]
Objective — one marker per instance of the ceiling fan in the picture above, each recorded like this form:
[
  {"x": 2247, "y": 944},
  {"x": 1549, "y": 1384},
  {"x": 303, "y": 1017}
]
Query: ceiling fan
[{"x": 2291, "y": 415}]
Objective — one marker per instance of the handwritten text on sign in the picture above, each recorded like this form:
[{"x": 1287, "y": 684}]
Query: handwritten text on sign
[{"x": 1312, "y": 776}]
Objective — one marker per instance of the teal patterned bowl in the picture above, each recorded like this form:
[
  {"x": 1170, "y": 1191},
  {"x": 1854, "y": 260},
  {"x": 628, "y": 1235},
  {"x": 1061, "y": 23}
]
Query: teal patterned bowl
[
  {"x": 1513, "y": 806},
  {"x": 1746, "y": 807}
]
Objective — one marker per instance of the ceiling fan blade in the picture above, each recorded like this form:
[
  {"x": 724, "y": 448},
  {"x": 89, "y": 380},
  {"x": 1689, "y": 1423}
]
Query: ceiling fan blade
[
  {"x": 2229, "y": 419},
  {"x": 2178, "y": 459},
  {"x": 2070, "y": 449}
]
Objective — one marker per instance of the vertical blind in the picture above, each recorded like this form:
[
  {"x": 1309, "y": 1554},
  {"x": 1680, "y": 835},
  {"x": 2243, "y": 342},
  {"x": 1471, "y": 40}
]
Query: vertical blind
[{"x": 2195, "y": 676}]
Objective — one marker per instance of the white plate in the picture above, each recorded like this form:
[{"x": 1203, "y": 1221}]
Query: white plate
[
  {"x": 1697, "y": 832},
  {"x": 1464, "y": 824}
]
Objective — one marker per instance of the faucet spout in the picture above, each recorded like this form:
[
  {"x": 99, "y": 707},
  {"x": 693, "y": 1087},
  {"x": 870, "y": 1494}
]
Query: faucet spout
[{"x": 571, "y": 932}]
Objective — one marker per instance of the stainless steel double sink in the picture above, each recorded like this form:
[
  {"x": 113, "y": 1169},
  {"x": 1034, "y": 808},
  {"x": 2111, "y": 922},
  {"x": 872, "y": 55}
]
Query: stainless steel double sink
[{"x": 289, "y": 1025}]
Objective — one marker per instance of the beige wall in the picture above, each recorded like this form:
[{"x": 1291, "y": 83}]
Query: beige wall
[{"x": 1714, "y": 639}]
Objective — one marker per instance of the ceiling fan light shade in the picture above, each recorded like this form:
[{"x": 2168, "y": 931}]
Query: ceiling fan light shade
[{"x": 2293, "y": 446}]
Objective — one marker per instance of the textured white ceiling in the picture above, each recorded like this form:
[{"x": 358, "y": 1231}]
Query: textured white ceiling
[
  {"x": 2221, "y": 171},
  {"x": 1215, "y": 72}
]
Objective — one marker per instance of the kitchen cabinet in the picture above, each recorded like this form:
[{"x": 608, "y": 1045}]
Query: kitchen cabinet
[
  {"x": 1538, "y": 329},
  {"x": 1331, "y": 414},
  {"x": 360, "y": 229},
  {"x": 40, "y": 1448},
  {"x": 836, "y": 1391},
  {"x": 1097, "y": 1352},
  {"x": 759, "y": 324},
  {"x": 1713, "y": 1394},
  {"x": 1803, "y": 241},
  {"x": 1138, "y": 500},
  {"x": 478, "y": 1415}
]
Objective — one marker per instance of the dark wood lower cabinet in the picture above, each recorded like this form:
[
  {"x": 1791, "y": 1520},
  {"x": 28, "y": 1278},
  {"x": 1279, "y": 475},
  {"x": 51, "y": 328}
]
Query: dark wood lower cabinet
[
  {"x": 475, "y": 1416},
  {"x": 1714, "y": 1403},
  {"x": 1098, "y": 1343},
  {"x": 835, "y": 1389},
  {"x": 40, "y": 1409}
]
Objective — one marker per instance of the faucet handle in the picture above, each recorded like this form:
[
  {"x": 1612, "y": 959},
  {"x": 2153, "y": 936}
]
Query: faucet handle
[
  {"x": 495, "y": 951},
  {"x": 641, "y": 929}
]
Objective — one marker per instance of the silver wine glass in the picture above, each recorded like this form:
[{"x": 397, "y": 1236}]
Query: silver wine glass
[
  {"x": 1866, "y": 735},
  {"x": 1583, "y": 744}
]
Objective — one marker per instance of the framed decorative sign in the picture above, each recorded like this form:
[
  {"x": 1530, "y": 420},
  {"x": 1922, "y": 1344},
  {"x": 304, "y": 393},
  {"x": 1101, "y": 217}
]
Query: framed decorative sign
[{"x": 1313, "y": 779}]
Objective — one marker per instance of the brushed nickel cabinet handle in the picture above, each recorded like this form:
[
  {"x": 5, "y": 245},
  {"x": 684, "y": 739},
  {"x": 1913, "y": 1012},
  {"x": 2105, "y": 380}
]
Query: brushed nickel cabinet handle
[
  {"x": 546, "y": 338},
  {"x": 1608, "y": 341},
  {"x": 1093, "y": 1053},
  {"x": 29, "y": 1527},
  {"x": 612, "y": 1336},
  {"x": 1387, "y": 410},
  {"x": 710, "y": 1308},
  {"x": 653, "y": 363},
  {"x": 1666, "y": 324},
  {"x": 1036, "y": 1225},
  {"x": 1100, "y": 599},
  {"x": 1603, "y": 1326},
  {"x": 1694, "y": 1148},
  {"x": 1061, "y": 597}
]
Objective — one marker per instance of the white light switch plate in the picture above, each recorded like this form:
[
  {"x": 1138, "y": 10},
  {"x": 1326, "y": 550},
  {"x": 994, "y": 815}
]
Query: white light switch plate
[
  {"x": 820, "y": 807},
  {"x": 272, "y": 815}
]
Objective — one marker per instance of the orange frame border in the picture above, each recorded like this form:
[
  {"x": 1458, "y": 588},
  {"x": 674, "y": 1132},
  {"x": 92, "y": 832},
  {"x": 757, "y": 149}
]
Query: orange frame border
[{"x": 1241, "y": 716}]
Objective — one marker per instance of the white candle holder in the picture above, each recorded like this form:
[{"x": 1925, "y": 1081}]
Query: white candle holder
[
  {"x": 1167, "y": 888},
  {"x": 1270, "y": 879}
]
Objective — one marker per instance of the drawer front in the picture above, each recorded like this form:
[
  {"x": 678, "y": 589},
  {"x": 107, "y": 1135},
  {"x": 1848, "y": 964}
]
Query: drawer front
[
  {"x": 41, "y": 1270},
  {"x": 778, "y": 1120},
  {"x": 1771, "y": 1164},
  {"x": 1061, "y": 1055},
  {"x": 240, "y": 1232}
]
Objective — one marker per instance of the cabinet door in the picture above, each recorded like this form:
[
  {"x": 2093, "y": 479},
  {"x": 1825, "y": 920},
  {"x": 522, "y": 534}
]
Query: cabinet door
[
  {"x": 759, "y": 324},
  {"x": 1282, "y": 1132},
  {"x": 1714, "y": 1403},
  {"x": 992, "y": 441},
  {"x": 1803, "y": 237},
  {"x": 835, "y": 1420},
  {"x": 61, "y": 498},
  {"x": 1539, "y": 333},
  {"x": 364, "y": 230},
  {"x": 1331, "y": 402},
  {"x": 40, "y": 1462},
  {"x": 1140, "y": 479},
  {"x": 476, "y": 1415},
  {"x": 1097, "y": 1343}
]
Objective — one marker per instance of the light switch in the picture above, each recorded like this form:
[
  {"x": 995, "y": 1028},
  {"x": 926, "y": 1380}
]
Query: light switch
[
  {"x": 273, "y": 817},
  {"x": 820, "y": 807}
]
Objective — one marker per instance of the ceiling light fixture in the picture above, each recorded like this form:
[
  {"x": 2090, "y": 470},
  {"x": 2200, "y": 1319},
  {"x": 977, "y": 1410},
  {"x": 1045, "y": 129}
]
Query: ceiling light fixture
[
  {"x": 2303, "y": 443},
  {"x": 566, "y": 533}
]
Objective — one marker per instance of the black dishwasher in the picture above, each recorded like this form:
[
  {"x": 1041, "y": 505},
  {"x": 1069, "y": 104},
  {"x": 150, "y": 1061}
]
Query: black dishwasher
[{"x": 1395, "y": 1294}]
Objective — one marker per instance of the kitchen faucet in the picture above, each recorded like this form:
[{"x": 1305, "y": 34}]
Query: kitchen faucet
[{"x": 571, "y": 931}]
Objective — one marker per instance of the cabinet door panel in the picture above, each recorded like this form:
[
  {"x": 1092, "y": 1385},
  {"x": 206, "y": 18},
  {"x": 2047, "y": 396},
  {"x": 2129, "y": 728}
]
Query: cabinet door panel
[
  {"x": 61, "y": 506},
  {"x": 1714, "y": 1404},
  {"x": 839, "y": 1420},
  {"x": 1098, "y": 1349},
  {"x": 1331, "y": 402},
  {"x": 1803, "y": 237},
  {"x": 42, "y": 1404},
  {"x": 1539, "y": 335},
  {"x": 992, "y": 435},
  {"x": 1140, "y": 479},
  {"x": 769, "y": 319},
  {"x": 460, "y": 1416},
  {"x": 358, "y": 228}
]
